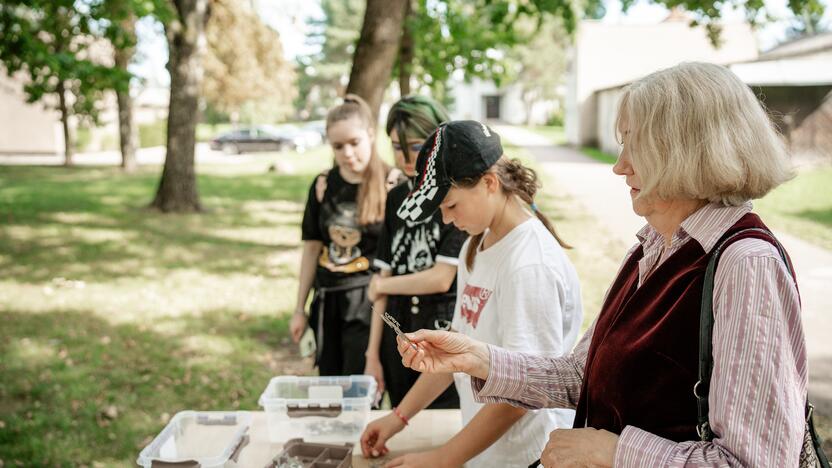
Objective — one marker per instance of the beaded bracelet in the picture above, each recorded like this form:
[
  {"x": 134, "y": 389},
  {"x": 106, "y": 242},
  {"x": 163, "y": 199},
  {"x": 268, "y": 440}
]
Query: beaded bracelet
[{"x": 401, "y": 416}]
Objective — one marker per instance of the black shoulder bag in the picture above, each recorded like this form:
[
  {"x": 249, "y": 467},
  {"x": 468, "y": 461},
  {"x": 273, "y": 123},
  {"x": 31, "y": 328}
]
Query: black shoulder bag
[{"x": 811, "y": 456}]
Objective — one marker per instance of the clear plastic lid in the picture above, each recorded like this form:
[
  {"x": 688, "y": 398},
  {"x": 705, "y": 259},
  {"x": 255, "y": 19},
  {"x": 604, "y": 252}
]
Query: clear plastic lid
[
  {"x": 353, "y": 389},
  {"x": 207, "y": 437}
]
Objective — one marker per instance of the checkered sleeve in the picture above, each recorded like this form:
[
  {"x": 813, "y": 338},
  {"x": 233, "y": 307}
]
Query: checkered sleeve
[{"x": 426, "y": 190}]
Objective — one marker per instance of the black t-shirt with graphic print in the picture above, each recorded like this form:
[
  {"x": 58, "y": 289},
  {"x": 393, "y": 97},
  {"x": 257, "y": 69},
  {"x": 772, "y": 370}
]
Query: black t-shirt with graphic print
[
  {"x": 349, "y": 249},
  {"x": 409, "y": 247}
]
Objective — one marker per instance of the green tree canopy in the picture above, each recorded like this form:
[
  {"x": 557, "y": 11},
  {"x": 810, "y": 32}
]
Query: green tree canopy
[
  {"x": 440, "y": 36},
  {"x": 62, "y": 48},
  {"x": 807, "y": 19},
  {"x": 444, "y": 35},
  {"x": 245, "y": 70},
  {"x": 322, "y": 76}
]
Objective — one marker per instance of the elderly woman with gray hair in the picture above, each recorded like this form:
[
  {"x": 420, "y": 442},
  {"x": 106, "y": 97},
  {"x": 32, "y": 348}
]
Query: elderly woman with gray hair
[{"x": 696, "y": 148}]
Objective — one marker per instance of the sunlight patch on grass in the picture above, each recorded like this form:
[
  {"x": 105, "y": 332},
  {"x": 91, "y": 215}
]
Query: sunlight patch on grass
[
  {"x": 264, "y": 235},
  {"x": 92, "y": 235},
  {"x": 273, "y": 212},
  {"x": 207, "y": 348},
  {"x": 64, "y": 217},
  {"x": 134, "y": 300},
  {"x": 277, "y": 260},
  {"x": 802, "y": 206},
  {"x": 27, "y": 352},
  {"x": 23, "y": 233},
  {"x": 278, "y": 206},
  {"x": 112, "y": 200},
  {"x": 555, "y": 134},
  {"x": 288, "y": 236},
  {"x": 249, "y": 167},
  {"x": 167, "y": 326}
]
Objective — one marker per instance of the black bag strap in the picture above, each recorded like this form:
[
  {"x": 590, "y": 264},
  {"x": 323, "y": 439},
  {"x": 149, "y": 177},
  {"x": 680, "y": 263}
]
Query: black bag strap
[{"x": 706, "y": 328}]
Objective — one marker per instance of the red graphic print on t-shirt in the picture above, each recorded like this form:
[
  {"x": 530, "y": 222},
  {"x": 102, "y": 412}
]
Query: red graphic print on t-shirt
[{"x": 473, "y": 301}]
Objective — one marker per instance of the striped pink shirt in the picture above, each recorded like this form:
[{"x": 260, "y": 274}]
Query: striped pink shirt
[{"x": 759, "y": 382}]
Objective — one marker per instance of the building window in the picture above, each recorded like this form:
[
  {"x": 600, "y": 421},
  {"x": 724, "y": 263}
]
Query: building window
[{"x": 492, "y": 107}]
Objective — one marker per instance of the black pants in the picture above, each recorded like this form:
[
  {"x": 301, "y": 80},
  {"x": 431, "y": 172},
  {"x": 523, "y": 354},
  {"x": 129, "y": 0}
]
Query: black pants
[
  {"x": 399, "y": 379},
  {"x": 346, "y": 331}
]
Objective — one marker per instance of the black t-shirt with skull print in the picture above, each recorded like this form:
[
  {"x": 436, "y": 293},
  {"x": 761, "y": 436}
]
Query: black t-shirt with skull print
[
  {"x": 409, "y": 247},
  {"x": 349, "y": 249}
]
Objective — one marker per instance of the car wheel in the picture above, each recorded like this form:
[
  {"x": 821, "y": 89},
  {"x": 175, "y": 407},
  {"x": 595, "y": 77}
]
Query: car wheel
[{"x": 230, "y": 148}]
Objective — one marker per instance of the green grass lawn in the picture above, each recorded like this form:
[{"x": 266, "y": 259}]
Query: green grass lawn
[
  {"x": 802, "y": 206},
  {"x": 599, "y": 155},
  {"x": 554, "y": 133},
  {"x": 557, "y": 136},
  {"x": 116, "y": 317}
]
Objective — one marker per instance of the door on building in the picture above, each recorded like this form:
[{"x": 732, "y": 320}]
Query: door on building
[{"x": 492, "y": 107}]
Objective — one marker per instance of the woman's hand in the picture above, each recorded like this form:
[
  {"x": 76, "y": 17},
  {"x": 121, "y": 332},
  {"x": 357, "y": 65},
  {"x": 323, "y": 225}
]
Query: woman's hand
[
  {"x": 297, "y": 325},
  {"x": 586, "y": 447},
  {"x": 431, "y": 458},
  {"x": 374, "y": 289},
  {"x": 375, "y": 436},
  {"x": 373, "y": 367},
  {"x": 443, "y": 352}
]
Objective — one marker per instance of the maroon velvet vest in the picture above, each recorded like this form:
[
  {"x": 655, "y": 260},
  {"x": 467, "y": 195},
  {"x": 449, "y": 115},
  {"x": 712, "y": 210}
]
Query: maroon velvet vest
[{"x": 643, "y": 360}]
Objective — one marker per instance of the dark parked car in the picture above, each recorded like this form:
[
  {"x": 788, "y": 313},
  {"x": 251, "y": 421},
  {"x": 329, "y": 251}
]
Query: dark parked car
[{"x": 250, "y": 139}]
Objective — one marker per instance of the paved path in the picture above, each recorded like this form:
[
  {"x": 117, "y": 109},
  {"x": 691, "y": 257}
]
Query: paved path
[{"x": 606, "y": 197}]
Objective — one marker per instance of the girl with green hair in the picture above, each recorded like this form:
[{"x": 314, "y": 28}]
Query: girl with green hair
[{"x": 417, "y": 261}]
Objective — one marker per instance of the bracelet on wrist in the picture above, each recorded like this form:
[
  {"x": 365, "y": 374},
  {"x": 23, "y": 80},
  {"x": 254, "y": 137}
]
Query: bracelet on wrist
[{"x": 401, "y": 416}]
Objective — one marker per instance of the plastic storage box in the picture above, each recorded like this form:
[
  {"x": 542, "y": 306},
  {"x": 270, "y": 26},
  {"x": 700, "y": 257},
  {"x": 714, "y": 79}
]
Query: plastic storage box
[
  {"x": 208, "y": 439},
  {"x": 318, "y": 409},
  {"x": 311, "y": 455}
]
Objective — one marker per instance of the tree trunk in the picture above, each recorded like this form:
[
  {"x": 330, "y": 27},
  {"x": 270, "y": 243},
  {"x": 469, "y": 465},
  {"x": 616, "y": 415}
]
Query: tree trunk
[
  {"x": 376, "y": 51},
  {"x": 126, "y": 127},
  {"x": 68, "y": 152},
  {"x": 177, "y": 190},
  {"x": 528, "y": 102},
  {"x": 406, "y": 52}
]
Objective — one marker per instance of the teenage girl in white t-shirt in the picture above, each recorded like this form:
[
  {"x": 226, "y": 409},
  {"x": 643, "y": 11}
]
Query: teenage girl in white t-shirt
[{"x": 515, "y": 288}]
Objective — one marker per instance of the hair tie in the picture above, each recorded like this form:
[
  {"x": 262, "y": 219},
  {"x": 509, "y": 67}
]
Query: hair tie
[{"x": 534, "y": 207}]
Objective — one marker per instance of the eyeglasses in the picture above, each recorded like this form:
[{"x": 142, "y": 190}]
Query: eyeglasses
[{"x": 415, "y": 148}]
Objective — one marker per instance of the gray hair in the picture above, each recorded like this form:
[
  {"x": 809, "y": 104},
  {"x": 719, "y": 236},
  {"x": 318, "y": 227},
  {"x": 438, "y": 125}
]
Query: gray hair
[{"x": 696, "y": 131}]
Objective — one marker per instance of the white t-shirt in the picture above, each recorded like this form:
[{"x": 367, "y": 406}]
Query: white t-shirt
[{"x": 523, "y": 295}]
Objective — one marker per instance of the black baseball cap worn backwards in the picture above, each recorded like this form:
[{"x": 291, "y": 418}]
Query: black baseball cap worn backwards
[{"x": 456, "y": 150}]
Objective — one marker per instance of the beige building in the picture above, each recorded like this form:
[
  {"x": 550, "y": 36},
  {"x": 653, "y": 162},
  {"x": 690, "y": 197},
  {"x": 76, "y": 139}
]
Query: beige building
[
  {"x": 26, "y": 128},
  {"x": 793, "y": 80},
  {"x": 483, "y": 100},
  {"x": 32, "y": 128},
  {"x": 606, "y": 57}
]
